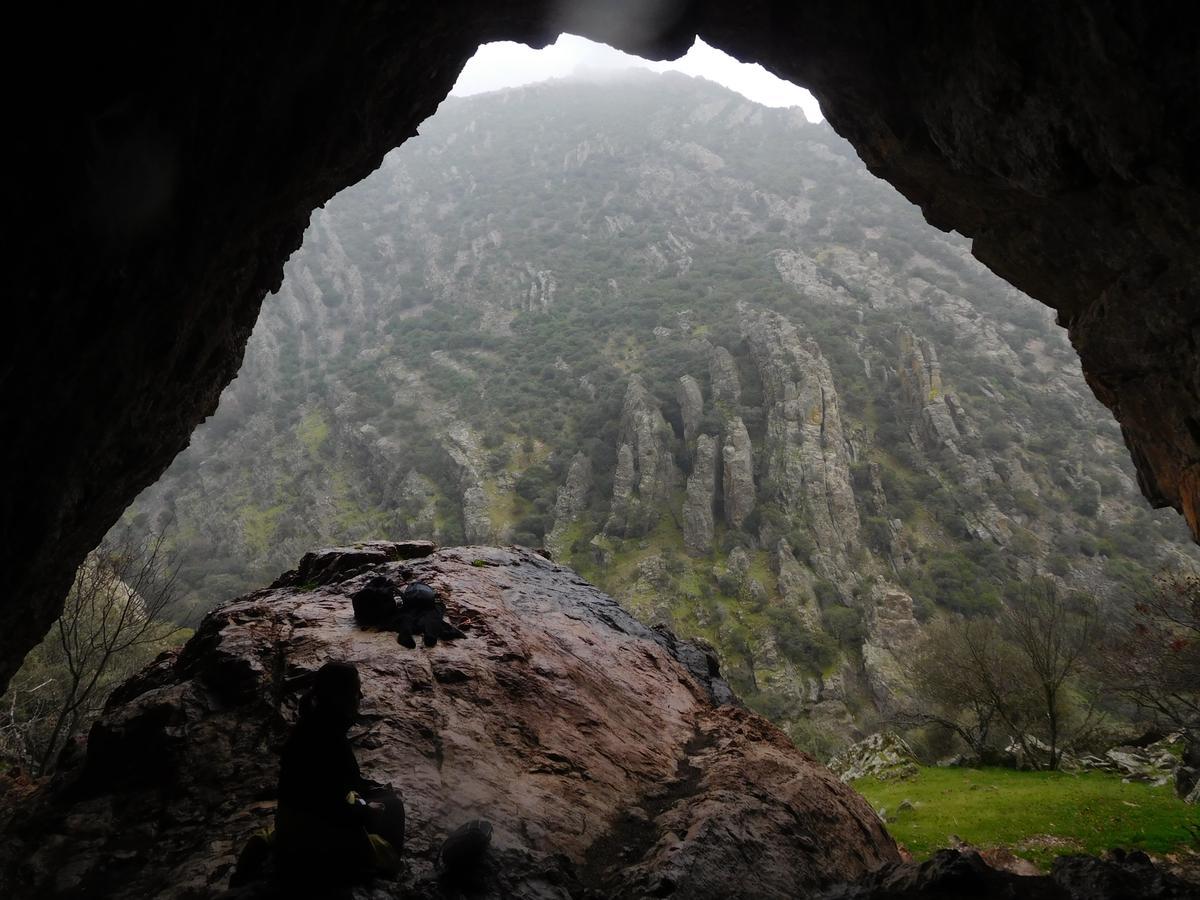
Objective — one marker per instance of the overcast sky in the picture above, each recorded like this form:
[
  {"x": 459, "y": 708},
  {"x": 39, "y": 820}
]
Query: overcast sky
[{"x": 506, "y": 64}]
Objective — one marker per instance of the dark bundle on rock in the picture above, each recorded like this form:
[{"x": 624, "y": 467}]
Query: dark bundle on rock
[
  {"x": 466, "y": 846},
  {"x": 421, "y": 612},
  {"x": 463, "y": 858},
  {"x": 375, "y": 602}
]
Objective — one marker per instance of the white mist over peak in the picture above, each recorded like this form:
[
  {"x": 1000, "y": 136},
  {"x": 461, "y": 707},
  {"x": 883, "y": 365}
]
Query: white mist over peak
[{"x": 505, "y": 64}]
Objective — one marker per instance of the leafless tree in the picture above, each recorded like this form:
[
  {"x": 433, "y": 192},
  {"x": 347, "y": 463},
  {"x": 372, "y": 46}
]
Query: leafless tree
[
  {"x": 1017, "y": 673},
  {"x": 1052, "y": 633},
  {"x": 947, "y": 691},
  {"x": 112, "y": 624}
]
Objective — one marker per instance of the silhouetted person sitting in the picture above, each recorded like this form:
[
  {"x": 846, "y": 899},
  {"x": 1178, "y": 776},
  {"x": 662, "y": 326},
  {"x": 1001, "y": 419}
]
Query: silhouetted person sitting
[{"x": 325, "y": 828}]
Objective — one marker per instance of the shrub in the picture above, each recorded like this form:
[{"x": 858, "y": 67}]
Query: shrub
[
  {"x": 997, "y": 437},
  {"x": 810, "y": 650},
  {"x": 1058, "y": 564},
  {"x": 845, "y": 624},
  {"x": 1086, "y": 504},
  {"x": 826, "y": 592}
]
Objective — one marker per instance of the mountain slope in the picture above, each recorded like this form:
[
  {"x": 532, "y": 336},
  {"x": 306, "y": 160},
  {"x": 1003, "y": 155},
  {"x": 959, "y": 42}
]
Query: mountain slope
[{"x": 693, "y": 347}]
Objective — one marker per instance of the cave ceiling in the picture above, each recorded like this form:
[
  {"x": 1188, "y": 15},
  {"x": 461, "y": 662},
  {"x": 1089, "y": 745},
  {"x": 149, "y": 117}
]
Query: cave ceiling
[{"x": 163, "y": 171}]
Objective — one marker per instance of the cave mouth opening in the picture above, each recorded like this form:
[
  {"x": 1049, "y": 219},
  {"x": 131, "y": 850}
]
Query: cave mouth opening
[{"x": 1018, "y": 167}]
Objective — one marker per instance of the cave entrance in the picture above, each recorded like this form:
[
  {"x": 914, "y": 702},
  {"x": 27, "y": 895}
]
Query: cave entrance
[{"x": 977, "y": 116}]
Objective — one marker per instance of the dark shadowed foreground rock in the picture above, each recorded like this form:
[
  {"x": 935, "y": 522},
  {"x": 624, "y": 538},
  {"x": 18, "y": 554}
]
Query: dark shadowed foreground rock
[
  {"x": 596, "y": 747},
  {"x": 954, "y": 875}
]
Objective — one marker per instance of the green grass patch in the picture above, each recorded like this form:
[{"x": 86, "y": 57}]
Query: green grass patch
[{"x": 1031, "y": 812}]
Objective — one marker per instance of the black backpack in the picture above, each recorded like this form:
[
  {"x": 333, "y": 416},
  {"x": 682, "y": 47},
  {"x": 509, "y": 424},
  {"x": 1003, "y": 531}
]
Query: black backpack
[
  {"x": 375, "y": 602},
  {"x": 418, "y": 597}
]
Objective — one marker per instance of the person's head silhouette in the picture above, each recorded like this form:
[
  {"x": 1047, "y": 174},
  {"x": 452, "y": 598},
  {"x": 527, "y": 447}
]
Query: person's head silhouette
[{"x": 335, "y": 694}]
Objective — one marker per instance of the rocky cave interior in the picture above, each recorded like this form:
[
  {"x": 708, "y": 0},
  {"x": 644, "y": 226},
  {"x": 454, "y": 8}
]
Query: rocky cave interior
[{"x": 163, "y": 188}]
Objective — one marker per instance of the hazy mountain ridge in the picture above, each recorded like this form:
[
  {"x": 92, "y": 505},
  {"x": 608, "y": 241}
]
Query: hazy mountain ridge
[{"x": 635, "y": 319}]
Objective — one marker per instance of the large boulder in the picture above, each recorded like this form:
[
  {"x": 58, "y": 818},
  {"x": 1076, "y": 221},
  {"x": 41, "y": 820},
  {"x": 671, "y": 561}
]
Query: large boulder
[{"x": 608, "y": 756}]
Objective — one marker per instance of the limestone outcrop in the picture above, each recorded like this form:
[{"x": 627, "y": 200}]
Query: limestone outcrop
[
  {"x": 723, "y": 376},
  {"x": 691, "y": 406},
  {"x": 892, "y": 634},
  {"x": 571, "y": 499},
  {"x": 646, "y": 472},
  {"x": 805, "y": 452},
  {"x": 701, "y": 497},
  {"x": 737, "y": 472},
  {"x": 173, "y": 215},
  {"x": 607, "y": 755},
  {"x": 1017, "y": 169},
  {"x": 938, "y": 424}
]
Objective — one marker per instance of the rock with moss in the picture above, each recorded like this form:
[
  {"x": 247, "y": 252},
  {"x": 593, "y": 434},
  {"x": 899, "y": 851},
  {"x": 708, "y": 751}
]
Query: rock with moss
[
  {"x": 1155, "y": 764},
  {"x": 418, "y": 501},
  {"x": 805, "y": 451},
  {"x": 884, "y": 755},
  {"x": 892, "y": 633},
  {"x": 646, "y": 473},
  {"x": 570, "y": 501}
]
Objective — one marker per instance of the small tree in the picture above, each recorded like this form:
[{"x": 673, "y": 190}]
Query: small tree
[
  {"x": 111, "y": 625},
  {"x": 1152, "y": 656}
]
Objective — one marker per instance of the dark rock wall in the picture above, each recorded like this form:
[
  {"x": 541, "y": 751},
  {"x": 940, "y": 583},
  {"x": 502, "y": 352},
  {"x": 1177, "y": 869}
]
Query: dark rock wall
[{"x": 163, "y": 171}]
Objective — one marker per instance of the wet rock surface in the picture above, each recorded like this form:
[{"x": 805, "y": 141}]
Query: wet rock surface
[{"x": 612, "y": 759}]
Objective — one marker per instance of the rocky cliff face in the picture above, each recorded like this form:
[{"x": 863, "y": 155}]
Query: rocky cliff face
[
  {"x": 646, "y": 472},
  {"x": 611, "y": 758},
  {"x": 806, "y": 452}
]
